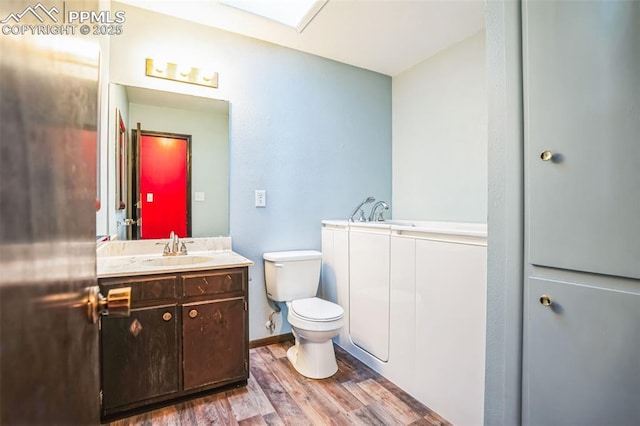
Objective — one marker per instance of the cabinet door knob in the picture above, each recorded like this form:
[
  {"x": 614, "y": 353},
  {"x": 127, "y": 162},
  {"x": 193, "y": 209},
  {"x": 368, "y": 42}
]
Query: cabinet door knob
[
  {"x": 545, "y": 300},
  {"x": 167, "y": 316},
  {"x": 193, "y": 313},
  {"x": 546, "y": 155}
]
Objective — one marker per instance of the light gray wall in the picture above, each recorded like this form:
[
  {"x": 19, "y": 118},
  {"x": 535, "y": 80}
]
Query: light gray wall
[
  {"x": 209, "y": 160},
  {"x": 314, "y": 133},
  {"x": 505, "y": 225},
  {"x": 440, "y": 136}
]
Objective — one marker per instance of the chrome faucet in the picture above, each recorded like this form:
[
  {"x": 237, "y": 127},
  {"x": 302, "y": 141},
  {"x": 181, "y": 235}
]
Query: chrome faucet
[
  {"x": 380, "y": 217},
  {"x": 171, "y": 247},
  {"x": 174, "y": 241},
  {"x": 361, "y": 218}
]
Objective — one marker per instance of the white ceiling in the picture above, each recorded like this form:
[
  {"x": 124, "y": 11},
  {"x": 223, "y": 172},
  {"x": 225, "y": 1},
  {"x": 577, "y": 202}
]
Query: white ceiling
[{"x": 386, "y": 36}]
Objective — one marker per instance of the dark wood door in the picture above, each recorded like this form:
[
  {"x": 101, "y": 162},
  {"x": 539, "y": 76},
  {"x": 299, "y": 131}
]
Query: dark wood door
[
  {"x": 139, "y": 356},
  {"x": 213, "y": 339},
  {"x": 49, "y": 349}
]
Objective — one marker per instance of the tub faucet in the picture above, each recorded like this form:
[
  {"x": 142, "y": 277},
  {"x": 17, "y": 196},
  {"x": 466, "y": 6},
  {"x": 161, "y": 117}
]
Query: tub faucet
[
  {"x": 380, "y": 217},
  {"x": 361, "y": 218}
]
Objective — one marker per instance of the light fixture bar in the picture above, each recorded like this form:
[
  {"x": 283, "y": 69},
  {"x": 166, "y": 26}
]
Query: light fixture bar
[{"x": 175, "y": 72}]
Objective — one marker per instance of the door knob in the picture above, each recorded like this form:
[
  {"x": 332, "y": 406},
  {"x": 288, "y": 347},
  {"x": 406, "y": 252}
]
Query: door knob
[
  {"x": 116, "y": 304},
  {"x": 167, "y": 316},
  {"x": 545, "y": 300},
  {"x": 193, "y": 313},
  {"x": 546, "y": 155}
]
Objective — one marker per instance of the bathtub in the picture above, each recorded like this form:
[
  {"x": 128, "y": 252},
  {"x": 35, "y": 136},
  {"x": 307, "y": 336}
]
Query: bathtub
[{"x": 414, "y": 295}]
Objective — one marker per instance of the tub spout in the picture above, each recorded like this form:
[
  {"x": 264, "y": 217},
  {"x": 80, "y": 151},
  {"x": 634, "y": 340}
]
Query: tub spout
[
  {"x": 361, "y": 218},
  {"x": 380, "y": 215}
]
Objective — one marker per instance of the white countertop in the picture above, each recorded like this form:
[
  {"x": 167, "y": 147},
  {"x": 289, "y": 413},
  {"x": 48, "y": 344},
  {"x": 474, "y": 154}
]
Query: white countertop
[{"x": 132, "y": 258}]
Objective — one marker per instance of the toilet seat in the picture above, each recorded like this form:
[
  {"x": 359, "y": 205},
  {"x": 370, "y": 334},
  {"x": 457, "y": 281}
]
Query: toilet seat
[
  {"x": 316, "y": 309},
  {"x": 328, "y": 315}
]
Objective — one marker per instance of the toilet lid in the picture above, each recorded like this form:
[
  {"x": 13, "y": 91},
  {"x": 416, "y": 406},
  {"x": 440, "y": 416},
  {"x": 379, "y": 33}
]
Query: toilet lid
[{"x": 316, "y": 309}]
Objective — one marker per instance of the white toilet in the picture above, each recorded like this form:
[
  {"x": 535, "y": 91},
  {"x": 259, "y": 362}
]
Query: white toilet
[{"x": 293, "y": 277}]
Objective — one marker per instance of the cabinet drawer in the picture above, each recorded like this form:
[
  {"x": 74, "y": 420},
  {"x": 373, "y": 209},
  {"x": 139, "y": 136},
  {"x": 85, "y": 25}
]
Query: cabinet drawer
[
  {"x": 212, "y": 283},
  {"x": 145, "y": 289}
]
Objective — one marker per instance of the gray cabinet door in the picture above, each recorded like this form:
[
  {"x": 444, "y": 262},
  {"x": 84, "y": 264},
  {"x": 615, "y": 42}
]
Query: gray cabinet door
[
  {"x": 582, "y": 103},
  {"x": 582, "y": 363}
]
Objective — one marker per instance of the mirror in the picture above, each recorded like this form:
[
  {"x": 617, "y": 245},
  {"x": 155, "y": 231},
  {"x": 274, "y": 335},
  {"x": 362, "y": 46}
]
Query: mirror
[{"x": 206, "y": 120}]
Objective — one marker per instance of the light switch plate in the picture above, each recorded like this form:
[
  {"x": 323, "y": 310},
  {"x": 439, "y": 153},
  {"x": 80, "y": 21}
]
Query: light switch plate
[
  {"x": 261, "y": 198},
  {"x": 149, "y": 197},
  {"x": 199, "y": 196}
]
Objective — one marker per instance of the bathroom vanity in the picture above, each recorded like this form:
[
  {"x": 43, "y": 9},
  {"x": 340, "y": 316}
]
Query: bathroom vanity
[{"x": 187, "y": 331}]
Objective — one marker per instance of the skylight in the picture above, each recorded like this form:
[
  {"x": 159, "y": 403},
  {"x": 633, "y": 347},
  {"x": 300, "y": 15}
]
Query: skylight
[{"x": 294, "y": 13}]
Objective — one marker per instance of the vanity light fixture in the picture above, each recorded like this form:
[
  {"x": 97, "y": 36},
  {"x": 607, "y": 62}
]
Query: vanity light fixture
[{"x": 172, "y": 71}]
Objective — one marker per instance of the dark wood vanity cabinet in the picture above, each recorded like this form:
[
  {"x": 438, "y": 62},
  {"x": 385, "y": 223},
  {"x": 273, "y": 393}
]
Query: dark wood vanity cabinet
[{"x": 187, "y": 333}]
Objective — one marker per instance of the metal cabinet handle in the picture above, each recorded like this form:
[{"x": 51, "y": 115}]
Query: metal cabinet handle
[
  {"x": 193, "y": 313},
  {"x": 545, "y": 300},
  {"x": 167, "y": 316},
  {"x": 546, "y": 155}
]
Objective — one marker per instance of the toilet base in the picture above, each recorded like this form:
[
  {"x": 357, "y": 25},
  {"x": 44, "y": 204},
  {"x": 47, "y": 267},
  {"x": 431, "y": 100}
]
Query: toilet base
[{"x": 316, "y": 360}]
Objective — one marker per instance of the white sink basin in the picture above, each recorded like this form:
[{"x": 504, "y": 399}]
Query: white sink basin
[{"x": 176, "y": 260}]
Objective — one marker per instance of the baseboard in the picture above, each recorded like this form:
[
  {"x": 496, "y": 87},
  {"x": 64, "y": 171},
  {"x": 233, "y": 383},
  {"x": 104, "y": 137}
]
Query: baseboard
[{"x": 271, "y": 340}]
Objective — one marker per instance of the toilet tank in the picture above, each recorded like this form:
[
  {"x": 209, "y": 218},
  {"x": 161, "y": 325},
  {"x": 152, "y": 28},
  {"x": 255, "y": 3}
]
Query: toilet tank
[{"x": 292, "y": 275}]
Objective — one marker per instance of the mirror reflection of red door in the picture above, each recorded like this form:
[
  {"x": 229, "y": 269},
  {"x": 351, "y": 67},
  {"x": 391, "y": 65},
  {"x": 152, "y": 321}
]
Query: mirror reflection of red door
[{"x": 164, "y": 181}]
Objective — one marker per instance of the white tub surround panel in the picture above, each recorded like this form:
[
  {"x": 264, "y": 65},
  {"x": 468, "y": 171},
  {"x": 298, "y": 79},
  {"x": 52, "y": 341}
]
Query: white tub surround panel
[
  {"x": 369, "y": 258},
  {"x": 335, "y": 270},
  {"x": 403, "y": 303},
  {"x": 435, "y": 275},
  {"x": 450, "y": 328}
]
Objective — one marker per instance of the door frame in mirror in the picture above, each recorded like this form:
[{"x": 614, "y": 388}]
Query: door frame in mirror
[{"x": 121, "y": 162}]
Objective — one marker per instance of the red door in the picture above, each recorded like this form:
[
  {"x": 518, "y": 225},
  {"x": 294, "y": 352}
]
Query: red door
[{"x": 164, "y": 173}]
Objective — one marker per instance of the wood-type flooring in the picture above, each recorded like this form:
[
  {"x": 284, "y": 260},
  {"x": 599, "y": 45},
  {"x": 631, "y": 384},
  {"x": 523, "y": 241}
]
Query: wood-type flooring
[{"x": 278, "y": 395}]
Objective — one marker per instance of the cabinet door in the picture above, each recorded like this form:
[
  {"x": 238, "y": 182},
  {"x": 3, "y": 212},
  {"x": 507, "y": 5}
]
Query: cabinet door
[
  {"x": 582, "y": 363},
  {"x": 582, "y": 103},
  {"x": 139, "y": 356},
  {"x": 214, "y": 342}
]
